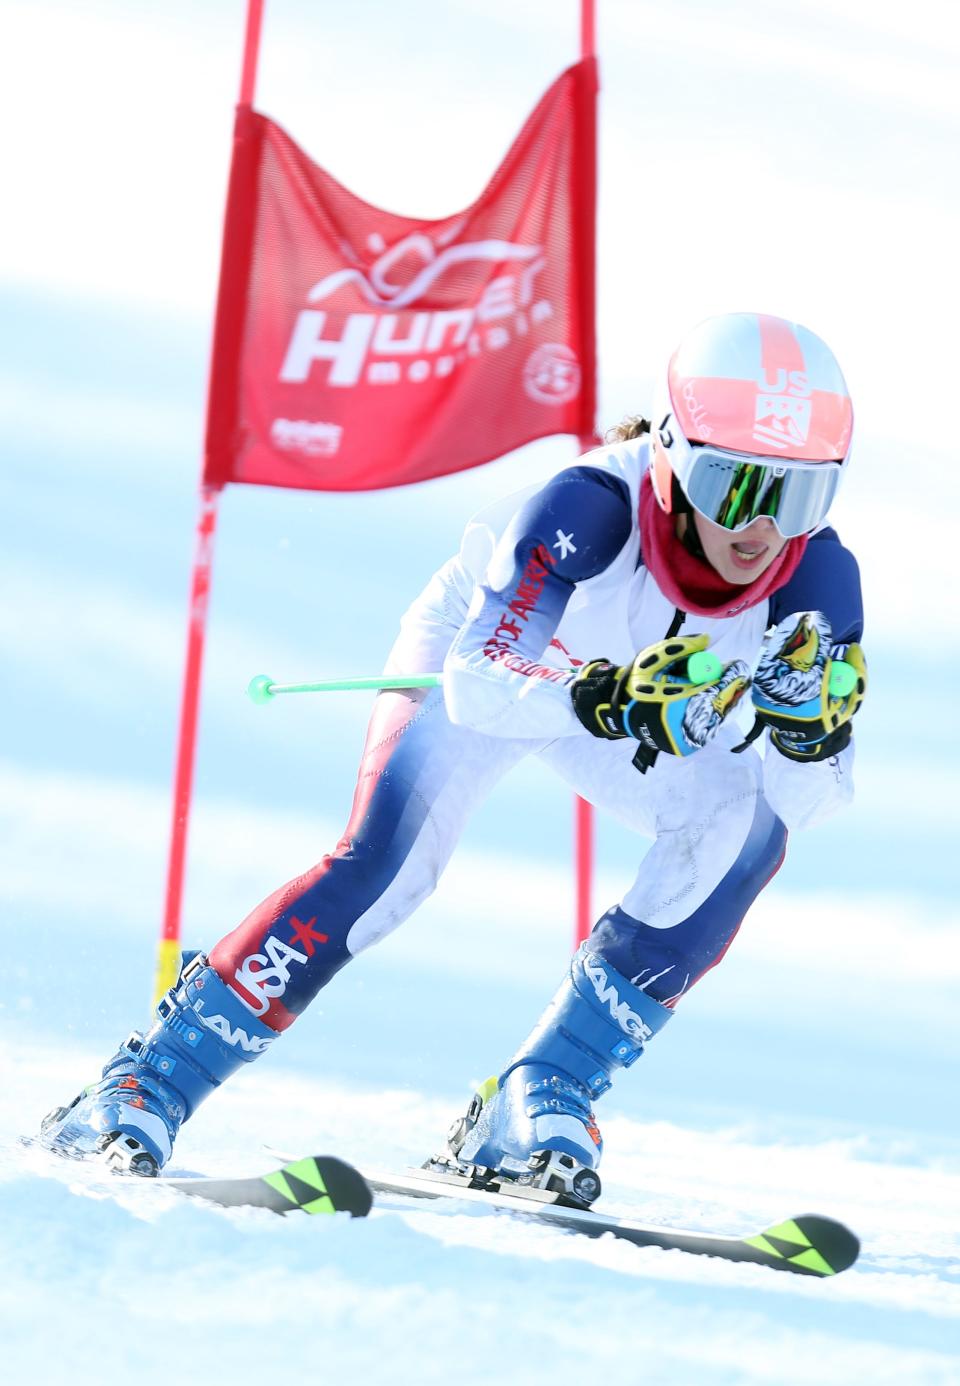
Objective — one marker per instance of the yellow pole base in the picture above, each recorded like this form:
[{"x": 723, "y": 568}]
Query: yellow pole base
[{"x": 168, "y": 967}]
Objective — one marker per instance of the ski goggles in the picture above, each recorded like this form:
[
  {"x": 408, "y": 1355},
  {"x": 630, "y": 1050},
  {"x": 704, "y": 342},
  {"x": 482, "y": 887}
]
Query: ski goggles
[{"x": 732, "y": 490}]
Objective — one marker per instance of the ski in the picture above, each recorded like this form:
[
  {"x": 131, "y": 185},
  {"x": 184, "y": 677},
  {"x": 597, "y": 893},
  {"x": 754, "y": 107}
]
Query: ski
[
  {"x": 319, "y": 1184},
  {"x": 314, "y": 1184},
  {"x": 805, "y": 1245}
]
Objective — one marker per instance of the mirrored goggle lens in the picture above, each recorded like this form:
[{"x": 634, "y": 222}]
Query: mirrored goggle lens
[{"x": 733, "y": 492}]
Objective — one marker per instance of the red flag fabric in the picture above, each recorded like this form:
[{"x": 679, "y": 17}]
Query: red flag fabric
[{"x": 355, "y": 348}]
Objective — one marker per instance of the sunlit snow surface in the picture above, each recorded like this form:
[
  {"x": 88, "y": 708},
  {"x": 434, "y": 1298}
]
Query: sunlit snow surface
[
  {"x": 727, "y": 1125},
  {"x": 158, "y": 1282}
]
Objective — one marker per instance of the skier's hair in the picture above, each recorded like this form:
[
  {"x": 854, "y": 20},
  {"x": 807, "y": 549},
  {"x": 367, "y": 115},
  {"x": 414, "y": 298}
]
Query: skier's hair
[{"x": 633, "y": 426}]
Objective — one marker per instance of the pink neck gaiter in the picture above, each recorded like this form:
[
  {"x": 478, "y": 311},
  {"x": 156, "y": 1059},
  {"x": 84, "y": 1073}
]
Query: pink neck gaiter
[{"x": 690, "y": 583}]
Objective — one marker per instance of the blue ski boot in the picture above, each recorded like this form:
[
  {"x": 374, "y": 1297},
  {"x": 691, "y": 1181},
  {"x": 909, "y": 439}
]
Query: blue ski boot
[
  {"x": 537, "y": 1126},
  {"x": 130, "y": 1119}
]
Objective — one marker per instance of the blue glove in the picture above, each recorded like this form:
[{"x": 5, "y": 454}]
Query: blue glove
[
  {"x": 806, "y": 688},
  {"x": 657, "y": 700}
]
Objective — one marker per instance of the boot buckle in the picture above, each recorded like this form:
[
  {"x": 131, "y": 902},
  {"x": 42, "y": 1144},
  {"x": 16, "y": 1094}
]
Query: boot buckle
[
  {"x": 125, "y": 1155},
  {"x": 575, "y": 1183}
]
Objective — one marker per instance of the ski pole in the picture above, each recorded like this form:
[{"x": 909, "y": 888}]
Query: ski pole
[
  {"x": 843, "y": 679},
  {"x": 703, "y": 668},
  {"x": 262, "y": 689}
]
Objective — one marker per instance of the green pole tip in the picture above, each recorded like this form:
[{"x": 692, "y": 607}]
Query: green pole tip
[
  {"x": 703, "y": 667},
  {"x": 260, "y": 689},
  {"x": 843, "y": 679}
]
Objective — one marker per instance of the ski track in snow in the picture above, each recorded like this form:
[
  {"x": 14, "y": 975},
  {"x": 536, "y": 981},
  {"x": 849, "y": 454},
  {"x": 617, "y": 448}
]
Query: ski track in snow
[{"x": 426, "y": 1293}]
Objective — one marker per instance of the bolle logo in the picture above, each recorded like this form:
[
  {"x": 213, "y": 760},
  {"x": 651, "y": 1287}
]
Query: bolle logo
[
  {"x": 374, "y": 348},
  {"x": 261, "y": 981},
  {"x": 234, "y": 1035},
  {"x": 783, "y": 409},
  {"x": 608, "y": 996},
  {"x": 304, "y": 435},
  {"x": 697, "y": 411}
]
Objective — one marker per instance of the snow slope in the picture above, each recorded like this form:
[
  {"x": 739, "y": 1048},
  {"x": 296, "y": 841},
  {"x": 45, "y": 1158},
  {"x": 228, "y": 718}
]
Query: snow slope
[
  {"x": 138, "y": 1282},
  {"x": 817, "y": 1068},
  {"x": 734, "y": 1126}
]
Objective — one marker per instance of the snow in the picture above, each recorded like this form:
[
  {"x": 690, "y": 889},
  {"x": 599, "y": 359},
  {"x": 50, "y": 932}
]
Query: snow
[
  {"x": 115, "y": 1276},
  {"x": 140, "y": 1279},
  {"x": 816, "y": 1070}
]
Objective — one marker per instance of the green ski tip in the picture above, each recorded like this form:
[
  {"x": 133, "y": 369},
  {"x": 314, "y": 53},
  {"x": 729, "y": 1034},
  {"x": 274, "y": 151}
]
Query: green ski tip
[
  {"x": 321, "y": 1184},
  {"x": 789, "y": 1241},
  {"x": 302, "y": 1183}
]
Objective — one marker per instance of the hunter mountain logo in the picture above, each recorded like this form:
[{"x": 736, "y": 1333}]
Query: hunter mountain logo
[
  {"x": 421, "y": 262},
  {"x": 401, "y": 341},
  {"x": 552, "y": 375}
]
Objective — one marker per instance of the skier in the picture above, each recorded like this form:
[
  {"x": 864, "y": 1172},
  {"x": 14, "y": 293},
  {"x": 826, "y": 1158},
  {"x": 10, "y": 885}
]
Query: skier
[{"x": 703, "y": 527}]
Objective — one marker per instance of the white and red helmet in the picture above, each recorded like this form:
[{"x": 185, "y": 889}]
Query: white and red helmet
[{"x": 754, "y": 418}]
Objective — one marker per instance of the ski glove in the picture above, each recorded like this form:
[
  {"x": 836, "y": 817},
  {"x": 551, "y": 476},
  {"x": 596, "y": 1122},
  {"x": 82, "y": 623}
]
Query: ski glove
[
  {"x": 662, "y": 699},
  {"x": 806, "y": 688}
]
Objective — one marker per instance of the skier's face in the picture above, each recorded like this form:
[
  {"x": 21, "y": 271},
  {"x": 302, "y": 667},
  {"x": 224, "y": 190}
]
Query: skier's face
[{"x": 742, "y": 556}]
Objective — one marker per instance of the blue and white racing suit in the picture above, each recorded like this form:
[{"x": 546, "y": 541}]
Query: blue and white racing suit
[{"x": 544, "y": 582}]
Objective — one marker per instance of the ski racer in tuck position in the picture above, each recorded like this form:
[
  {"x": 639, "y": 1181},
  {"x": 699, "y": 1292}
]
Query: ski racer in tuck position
[{"x": 703, "y": 528}]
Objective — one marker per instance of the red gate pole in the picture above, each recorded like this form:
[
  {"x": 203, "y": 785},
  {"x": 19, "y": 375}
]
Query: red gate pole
[
  {"x": 583, "y": 816},
  {"x": 168, "y": 949}
]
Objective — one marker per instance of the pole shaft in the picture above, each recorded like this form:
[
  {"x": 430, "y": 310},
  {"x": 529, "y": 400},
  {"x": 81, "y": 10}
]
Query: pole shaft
[
  {"x": 251, "y": 52},
  {"x": 583, "y": 851},
  {"x": 186, "y": 741},
  {"x": 375, "y": 681},
  {"x": 583, "y": 815},
  {"x": 169, "y": 945},
  {"x": 588, "y": 28}
]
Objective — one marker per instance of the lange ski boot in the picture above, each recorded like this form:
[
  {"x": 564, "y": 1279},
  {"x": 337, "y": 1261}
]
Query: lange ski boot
[
  {"x": 130, "y": 1118},
  {"x": 536, "y": 1125}
]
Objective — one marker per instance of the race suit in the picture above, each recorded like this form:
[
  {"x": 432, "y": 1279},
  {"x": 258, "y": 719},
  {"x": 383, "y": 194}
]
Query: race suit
[{"x": 544, "y": 582}]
